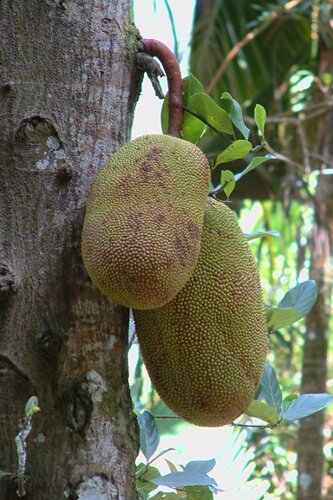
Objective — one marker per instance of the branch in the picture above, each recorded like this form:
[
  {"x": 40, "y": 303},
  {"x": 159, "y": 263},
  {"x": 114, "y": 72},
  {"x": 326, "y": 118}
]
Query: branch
[
  {"x": 284, "y": 159},
  {"x": 323, "y": 159},
  {"x": 149, "y": 65},
  {"x": 167, "y": 416},
  {"x": 254, "y": 426},
  {"x": 248, "y": 38},
  {"x": 171, "y": 67},
  {"x": 298, "y": 123}
]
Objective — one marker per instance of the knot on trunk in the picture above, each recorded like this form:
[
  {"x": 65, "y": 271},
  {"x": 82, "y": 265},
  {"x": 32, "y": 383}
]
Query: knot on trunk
[{"x": 7, "y": 282}]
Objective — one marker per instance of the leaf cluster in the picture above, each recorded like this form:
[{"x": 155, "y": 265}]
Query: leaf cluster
[
  {"x": 271, "y": 407},
  {"x": 202, "y": 116},
  {"x": 190, "y": 481}
]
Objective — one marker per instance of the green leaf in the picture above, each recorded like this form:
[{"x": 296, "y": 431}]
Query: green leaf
[
  {"x": 192, "y": 127},
  {"x": 203, "y": 466},
  {"x": 259, "y": 409},
  {"x": 296, "y": 303},
  {"x": 269, "y": 388},
  {"x": 198, "y": 493},
  {"x": 226, "y": 102},
  {"x": 234, "y": 109},
  {"x": 306, "y": 405},
  {"x": 228, "y": 182},
  {"x": 191, "y": 86},
  {"x": 261, "y": 234},
  {"x": 4, "y": 474},
  {"x": 31, "y": 407},
  {"x": 301, "y": 297},
  {"x": 327, "y": 78},
  {"x": 287, "y": 402},
  {"x": 238, "y": 149},
  {"x": 203, "y": 106},
  {"x": 281, "y": 317},
  {"x": 143, "y": 483},
  {"x": 171, "y": 465},
  {"x": 258, "y": 160},
  {"x": 184, "y": 478},
  {"x": 149, "y": 435},
  {"x": 260, "y": 118}
]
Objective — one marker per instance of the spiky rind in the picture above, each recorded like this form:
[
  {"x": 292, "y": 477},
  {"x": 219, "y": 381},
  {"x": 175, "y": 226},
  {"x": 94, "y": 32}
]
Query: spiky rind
[
  {"x": 143, "y": 224},
  {"x": 205, "y": 350}
]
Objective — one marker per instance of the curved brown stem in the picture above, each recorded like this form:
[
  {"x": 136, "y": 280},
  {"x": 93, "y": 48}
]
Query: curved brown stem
[{"x": 172, "y": 71}]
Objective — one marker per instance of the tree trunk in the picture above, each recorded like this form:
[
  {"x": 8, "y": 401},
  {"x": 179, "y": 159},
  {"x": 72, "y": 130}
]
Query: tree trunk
[
  {"x": 314, "y": 371},
  {"x": 67, "y": 93}
]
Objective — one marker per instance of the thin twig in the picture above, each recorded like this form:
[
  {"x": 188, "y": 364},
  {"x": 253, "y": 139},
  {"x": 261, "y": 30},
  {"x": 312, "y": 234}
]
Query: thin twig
[
  {"x": 160, "y": 455},
  {"x": 231, "y": 55},
  {"x": 147, "y": 63},
  {"x": 323, "y": 159},
  {"x": 318, "y": 113},
  {"x": 248, "y": 38},
  {"x": 324, "y": 104},
  {"x": 284, "y": 158},
  {"x": 215, "y": 190},
  {"x": 167, "y": 416},
  {"x": 254, "y": 426},
  {"x": 320, "y": 109}
]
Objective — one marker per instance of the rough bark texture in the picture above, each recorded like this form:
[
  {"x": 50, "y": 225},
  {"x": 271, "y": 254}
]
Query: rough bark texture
[
  {"x": 314, "y": 371},
  {"x": 311, "y": 465},
  {"x": 67, "y": 92}
]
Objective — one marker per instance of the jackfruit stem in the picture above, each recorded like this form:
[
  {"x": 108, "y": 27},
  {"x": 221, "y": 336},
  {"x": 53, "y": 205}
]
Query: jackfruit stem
[{"x": 170, "y": 65}]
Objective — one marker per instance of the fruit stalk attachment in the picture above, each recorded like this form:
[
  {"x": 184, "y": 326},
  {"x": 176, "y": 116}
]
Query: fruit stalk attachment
[{"x": 170, "y": 65}]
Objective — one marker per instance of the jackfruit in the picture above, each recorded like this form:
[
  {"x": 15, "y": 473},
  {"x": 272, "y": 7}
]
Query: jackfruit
[
  {"x": 143, "y": 224},
  {"x": 205, "y": 350}
]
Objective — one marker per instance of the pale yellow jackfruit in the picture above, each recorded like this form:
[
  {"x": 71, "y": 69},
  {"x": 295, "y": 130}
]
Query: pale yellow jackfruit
[
  {"x": 205, "y": 350},
  {"x": 143, "y": 223}
]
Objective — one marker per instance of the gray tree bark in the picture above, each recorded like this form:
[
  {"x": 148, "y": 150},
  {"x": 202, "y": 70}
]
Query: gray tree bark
[
  {"x": 310, "y": 462},
  {"x": 68, "y": 87}
]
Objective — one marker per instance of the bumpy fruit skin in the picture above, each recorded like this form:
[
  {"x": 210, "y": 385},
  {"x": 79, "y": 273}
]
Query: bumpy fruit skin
[
  {"x": 142, "y": 229},
  {"x": 205, "y": 350}
]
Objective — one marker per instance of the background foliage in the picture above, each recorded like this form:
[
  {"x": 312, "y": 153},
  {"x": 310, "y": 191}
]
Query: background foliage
[{"x": 269, "y": 53}]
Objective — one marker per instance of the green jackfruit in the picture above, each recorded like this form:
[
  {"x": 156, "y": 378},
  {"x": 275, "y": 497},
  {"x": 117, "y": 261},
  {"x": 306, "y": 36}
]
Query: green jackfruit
[
  {"x": 142, "y": 229},
  {"x": 205, "y": 350}
]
